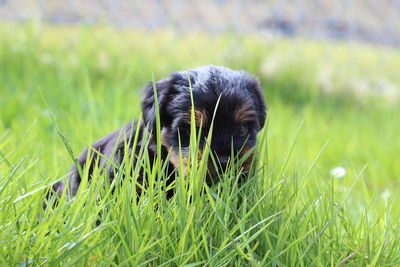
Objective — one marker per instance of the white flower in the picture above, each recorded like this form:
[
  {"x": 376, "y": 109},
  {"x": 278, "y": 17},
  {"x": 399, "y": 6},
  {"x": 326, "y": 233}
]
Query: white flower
[
  {"x": 386, "y": 194},
  {"x": 338, "y": 172}
]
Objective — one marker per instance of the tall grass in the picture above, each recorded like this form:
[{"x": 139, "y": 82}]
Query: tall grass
[{"x": 289, "y": 211}]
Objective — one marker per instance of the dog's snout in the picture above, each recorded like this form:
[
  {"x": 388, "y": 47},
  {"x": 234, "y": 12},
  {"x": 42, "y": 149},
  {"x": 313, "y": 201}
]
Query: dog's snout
[{"x": 224, "y": 160}]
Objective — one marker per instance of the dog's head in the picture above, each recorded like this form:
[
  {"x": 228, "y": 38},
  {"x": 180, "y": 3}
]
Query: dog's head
[{"x": 239, "y": 116}]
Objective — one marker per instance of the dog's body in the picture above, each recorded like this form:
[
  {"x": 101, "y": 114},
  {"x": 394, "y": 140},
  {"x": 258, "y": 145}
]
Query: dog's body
[{"x": 240, "y": 115}]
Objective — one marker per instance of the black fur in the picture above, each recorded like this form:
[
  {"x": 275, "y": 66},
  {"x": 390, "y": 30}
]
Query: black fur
[{"x": 235, "y": 89}]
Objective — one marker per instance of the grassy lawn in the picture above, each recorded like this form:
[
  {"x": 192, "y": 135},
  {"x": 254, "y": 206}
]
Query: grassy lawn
[{"x": 330, "y": 105}]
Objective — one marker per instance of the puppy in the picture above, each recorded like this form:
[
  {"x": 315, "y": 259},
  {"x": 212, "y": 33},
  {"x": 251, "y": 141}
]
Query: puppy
[{"x": 240, "y": 115}]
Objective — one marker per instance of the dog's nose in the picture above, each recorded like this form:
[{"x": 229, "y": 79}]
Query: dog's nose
[{"x": 224, "y": 162}]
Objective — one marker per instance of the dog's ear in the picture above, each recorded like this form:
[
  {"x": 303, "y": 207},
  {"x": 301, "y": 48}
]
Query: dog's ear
[
  {"x": 164, "y": 90},
  {"x": 259, "y": 101}
]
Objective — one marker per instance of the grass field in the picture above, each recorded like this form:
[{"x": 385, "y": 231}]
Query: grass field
[{"x": 330, "y": 105}]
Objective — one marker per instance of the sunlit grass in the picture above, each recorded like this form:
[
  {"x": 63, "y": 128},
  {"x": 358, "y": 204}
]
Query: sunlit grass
[{"x": 290, "y": 211}]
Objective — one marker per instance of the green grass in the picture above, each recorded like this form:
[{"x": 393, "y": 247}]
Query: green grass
[{"x": 330, "y": 104}]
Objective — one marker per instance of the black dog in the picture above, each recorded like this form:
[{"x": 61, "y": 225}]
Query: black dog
[{"x": 240, "y": 115}]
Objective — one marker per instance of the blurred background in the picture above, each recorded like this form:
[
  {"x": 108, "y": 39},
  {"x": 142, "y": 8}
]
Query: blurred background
[{"x": 373, "y": 21}]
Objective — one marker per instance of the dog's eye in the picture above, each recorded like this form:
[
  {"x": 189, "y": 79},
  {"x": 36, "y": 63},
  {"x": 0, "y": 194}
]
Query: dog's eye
[
  {"x": 184, "y": 135},
  {"x": 242, "y": 130}
]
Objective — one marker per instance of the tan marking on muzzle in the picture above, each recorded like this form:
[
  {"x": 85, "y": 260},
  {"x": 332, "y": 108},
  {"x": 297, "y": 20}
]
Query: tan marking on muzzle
[
  {"x": 246, "y": 164},
  {"x": 174, "y": 158}
]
